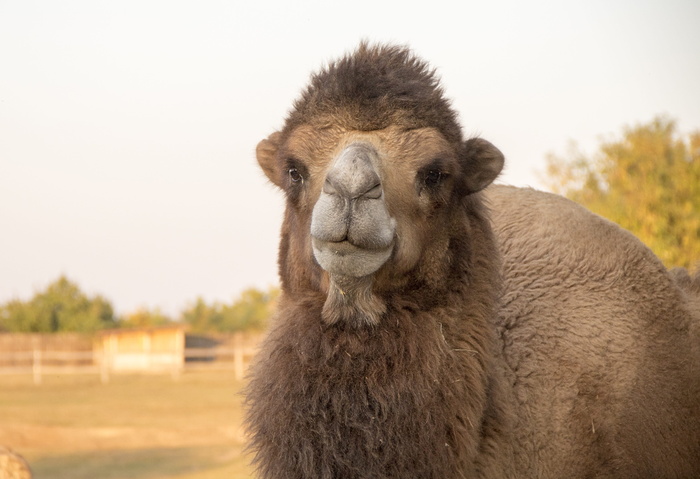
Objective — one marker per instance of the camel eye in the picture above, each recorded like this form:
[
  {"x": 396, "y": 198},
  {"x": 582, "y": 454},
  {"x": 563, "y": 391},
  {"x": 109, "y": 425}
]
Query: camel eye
[
  {"x": 295, "y": 176},
  {"x": 433, "y": 178}
]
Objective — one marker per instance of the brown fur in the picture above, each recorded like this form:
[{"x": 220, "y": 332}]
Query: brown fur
[
  {"x": 373, "y": 89},
  {"x": 601, "y": 345},
  {"x": 421, "y": 370}
]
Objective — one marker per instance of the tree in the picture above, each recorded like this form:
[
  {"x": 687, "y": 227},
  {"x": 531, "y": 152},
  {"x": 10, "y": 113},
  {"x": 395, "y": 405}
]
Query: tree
[
  {"x": 61, "y": 307},
  {"x": 647, "y": 181},
  {"x": 250, "y": 311},
  {"x": 144, "y": 318},
  {"x": 203, "y": 318}
]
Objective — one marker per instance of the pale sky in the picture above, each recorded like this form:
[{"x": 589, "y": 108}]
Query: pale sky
[{"x": 128, "y": 128}]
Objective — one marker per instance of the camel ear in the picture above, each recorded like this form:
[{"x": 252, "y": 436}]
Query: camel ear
[
  {"x": 266, "y": 152},
  {"x": 482, "y": 162}
]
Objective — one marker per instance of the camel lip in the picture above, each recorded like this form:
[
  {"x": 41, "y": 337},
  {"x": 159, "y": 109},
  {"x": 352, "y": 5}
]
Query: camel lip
[
  {"x": 347, "y": 259},
  {"x": 342, "y": 248},
  {"x": 346, "y": 247}
]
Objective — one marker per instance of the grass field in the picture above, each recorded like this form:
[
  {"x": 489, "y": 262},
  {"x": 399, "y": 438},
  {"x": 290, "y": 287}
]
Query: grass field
[{"x": 136, "y": 427}]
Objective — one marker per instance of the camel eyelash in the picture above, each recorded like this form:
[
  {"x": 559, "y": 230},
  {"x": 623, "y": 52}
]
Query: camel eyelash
[
  {"x": 294, "y": 175},
  {"x": 296, "y": 172},
  {"x": 433, "y": 178},
  {"x": 433, "y": 175}
]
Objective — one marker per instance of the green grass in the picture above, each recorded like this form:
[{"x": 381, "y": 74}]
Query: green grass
[{"x": 137, "y": 427}]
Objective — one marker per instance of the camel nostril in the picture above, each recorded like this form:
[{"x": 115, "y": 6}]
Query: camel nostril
[
  {"x": 374, "y": 193},
  {"x": 329, "y": 188}
]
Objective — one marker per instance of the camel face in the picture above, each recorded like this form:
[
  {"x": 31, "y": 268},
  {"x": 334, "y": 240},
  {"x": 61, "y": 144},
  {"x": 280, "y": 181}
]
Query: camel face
[
  {"x": 368, "y": 208},
  {"x": 379, "y": 200},
  {"x": 374, "y": 193}
]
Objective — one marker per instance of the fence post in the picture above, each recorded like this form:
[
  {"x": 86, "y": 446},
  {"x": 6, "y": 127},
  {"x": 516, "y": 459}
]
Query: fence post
[
  {"x": 104, "y": 365},
  {"x": 179, "y": 355},
  {"x": 36, "y": 365},
  {"x": 238, "y": 364}
]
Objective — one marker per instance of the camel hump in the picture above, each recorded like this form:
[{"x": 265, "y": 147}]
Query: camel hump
[{"x": 532, "y": 224}]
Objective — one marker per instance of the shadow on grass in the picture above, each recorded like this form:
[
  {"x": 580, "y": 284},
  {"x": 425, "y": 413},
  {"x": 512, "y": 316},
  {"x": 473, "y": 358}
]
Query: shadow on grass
[{"x": 158, "y": 463}]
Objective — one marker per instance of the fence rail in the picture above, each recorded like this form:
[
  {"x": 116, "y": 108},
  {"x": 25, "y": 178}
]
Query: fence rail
[{"x": 39, "y": 363}]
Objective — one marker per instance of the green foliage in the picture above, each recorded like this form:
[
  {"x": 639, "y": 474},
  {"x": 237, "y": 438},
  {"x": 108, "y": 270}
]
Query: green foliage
[
  {"x": 250, "y": 311},
  {"x": 61, "y": 307},
  {"x": 144, "y": 318},
  {"x": 648, "y": 182},
  {"x": 203, "y": 318}
]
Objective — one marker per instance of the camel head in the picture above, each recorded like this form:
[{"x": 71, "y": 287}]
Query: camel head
[{"x": 378, "y": 180}]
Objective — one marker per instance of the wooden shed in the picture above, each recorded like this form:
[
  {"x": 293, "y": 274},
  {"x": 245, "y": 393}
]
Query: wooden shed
[{"x": 157, "y": 349}]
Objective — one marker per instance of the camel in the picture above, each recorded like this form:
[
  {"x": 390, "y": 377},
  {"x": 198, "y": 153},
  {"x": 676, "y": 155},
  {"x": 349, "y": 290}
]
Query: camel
[{"x": 433, "y": 325}]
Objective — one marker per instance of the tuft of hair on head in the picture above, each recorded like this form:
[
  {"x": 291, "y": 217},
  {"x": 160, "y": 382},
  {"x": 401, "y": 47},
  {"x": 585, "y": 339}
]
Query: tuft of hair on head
[{"x": 378, "y": 85}]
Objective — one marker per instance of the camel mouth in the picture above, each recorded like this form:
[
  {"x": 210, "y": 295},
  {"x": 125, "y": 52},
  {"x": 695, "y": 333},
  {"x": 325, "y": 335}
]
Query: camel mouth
[
  {"x": 347, "y": 247},
  {"x": 343, "y": 258},
  {"x": 341, "y": 248}
]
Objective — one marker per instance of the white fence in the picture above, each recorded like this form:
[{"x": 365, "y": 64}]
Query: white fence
[{"x": 39, "y": 363}]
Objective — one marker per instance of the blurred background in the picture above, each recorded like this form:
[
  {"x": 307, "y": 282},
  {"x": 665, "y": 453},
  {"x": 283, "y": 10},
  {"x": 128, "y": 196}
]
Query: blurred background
[{"x": 131, "y": 201}]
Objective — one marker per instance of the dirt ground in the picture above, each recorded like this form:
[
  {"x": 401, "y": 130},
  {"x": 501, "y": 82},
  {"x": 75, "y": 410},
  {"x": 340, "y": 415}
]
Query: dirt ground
[{"x": 137, "y": 427}]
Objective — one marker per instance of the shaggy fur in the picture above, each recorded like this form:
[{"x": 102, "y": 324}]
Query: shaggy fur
[
  {"x": 601, "y": 345},
  {"x": 375, "y": 88},
  {"x": 558, "y": 347},
  {"x": 406, "y": 398}
]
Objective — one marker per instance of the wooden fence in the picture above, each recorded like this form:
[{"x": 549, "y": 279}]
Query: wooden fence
[
  {"x": 40, "y": 359},
  {"x": 39, "y": 363}
]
